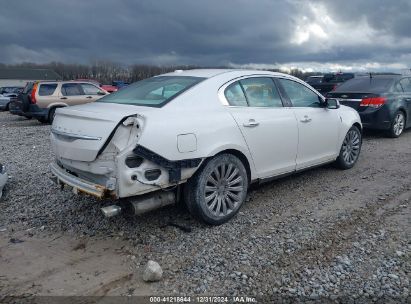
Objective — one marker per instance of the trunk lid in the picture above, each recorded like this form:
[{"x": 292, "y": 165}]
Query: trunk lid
[
  {"x": 351, "y": 99},
  {"x": 80, "y": 132}
]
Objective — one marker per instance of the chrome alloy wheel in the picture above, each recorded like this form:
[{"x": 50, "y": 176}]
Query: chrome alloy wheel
[
  {"x": 399, "y": 123},
  {"x": 351, "y": 147},
  {"x": 224, "y": 190}
]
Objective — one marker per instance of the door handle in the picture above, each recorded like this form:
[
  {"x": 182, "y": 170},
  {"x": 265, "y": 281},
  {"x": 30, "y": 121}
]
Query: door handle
[
  {"x": 89, "y": 97},
  {"x": 251, "y": 123},
  {"x": 306, "y": 119},
  {"x": 63, "y": 98}
]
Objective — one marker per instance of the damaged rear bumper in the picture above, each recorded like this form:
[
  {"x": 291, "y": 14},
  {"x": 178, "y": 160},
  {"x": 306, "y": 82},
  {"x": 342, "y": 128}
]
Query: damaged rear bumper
[{"x": 62, "y": 177}]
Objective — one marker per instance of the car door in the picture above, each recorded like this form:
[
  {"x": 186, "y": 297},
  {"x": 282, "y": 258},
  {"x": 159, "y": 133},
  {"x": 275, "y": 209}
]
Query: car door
[
  {"x": 92, "y": 92},
  {"x": 72, "y": 94},
  {"x": 269, "y": 128},
  {"x": 318, "y": 126}
]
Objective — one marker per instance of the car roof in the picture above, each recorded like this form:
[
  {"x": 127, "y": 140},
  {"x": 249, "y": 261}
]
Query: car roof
[
  {"x": 66, "y": 81},
  {"x": 209, "y": 73}
]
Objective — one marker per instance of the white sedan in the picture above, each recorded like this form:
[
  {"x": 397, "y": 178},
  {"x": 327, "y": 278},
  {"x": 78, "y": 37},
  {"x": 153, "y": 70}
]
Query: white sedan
[{"x": 200, "y": 135}]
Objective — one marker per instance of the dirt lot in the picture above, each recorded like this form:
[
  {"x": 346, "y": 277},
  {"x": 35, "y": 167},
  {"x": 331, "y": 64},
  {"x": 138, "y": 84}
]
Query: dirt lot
[{"x": 321, "y": 233}]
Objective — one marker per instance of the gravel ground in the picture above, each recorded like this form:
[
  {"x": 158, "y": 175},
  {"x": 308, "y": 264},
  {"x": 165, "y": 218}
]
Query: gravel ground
[{"x": 323, "y": 233}]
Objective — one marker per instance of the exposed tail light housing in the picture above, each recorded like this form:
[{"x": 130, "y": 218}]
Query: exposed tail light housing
[
  {"x": 373, "y": 102},
  {"x": 33, "y": 94}
]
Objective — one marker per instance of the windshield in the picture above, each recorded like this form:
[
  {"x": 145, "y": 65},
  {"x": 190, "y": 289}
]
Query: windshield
[
  {"x": 152, "y": 92},
  {"x": 366, "y": 84}
]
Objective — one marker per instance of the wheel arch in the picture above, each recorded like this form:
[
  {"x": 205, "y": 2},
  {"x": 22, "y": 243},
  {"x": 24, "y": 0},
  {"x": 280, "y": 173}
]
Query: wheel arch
[
  {"x": 404, "y": 111},
  {"x": 241, "y": 157},
  {"x": 54, "y": 107},
  {"x": 359, "y": 126}
]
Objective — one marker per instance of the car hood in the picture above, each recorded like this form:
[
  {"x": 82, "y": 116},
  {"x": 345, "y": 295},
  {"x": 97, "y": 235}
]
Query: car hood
[{"x": 80, "y": 132}]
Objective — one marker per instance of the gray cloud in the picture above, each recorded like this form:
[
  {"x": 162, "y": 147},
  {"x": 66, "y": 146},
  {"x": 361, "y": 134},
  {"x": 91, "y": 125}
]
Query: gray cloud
[{"x": 206, "y": 32}]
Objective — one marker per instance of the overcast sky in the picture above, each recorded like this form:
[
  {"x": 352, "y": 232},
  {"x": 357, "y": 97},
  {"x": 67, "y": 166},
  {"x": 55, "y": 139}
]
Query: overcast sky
[{"x": 311, "y": 35}]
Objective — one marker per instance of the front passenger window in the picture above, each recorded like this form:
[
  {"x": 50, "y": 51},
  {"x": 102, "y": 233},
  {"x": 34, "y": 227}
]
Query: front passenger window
[
  {"x": 90, "y": 89},
  {"x": 300, "y": 95}
]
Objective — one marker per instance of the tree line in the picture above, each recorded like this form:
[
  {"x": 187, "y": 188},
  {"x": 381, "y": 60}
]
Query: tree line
[{"x": 105, "y": 72}]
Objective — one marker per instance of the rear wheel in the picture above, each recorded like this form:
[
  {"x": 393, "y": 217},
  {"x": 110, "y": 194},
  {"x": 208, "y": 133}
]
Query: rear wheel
[
  {"x": 52, "y": 113},
  {"x": 350, "y": 149},
  {"x": 218, "y": 190},
  {"x": 42, "y": 120},
  {"x": 397, "y": 125}
]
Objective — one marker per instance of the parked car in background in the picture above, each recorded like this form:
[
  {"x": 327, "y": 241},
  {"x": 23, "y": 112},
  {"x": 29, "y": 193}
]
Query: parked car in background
[
  {"x": 109, "y": 88},
  {"x": 331, "y": 81},
  {"x": 10, "y": 91},
  {"x": 314, "y": 80},
  {"x": 41, "y": 99},
  {"x": 17, "y": 105},
  {"x": 383, "y": 101},
  {"x": 202, "y": 134},
  {"x": 6, "y": 95},
  {"x": 120, "y": 84}
]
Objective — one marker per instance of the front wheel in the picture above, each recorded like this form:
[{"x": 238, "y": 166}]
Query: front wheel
[
  {"x": 218, "y": 190},
  {"x": 350, "y": 149}
]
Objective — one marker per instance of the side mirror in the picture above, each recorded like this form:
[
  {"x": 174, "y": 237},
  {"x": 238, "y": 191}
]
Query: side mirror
[
  {"x": 101, "y": 93},
  {"x": 332, "y": 103}
]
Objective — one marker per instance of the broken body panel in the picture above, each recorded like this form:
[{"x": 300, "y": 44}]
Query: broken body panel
[{"x": 92, "y": 143}]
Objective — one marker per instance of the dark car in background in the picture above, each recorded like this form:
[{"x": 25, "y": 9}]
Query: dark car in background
[
  {"x": 383, "y": 101},
  {"x": 329, "y": 82},
  {"x": 19, "y": 104},
  {"x": 314, "y": 80},
  {"x": 6, "y": 96}
]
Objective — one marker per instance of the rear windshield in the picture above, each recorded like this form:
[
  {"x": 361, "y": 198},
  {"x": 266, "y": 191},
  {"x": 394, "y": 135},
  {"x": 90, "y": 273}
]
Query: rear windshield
[
  {"x": 366, "y": 85},
  {"x": 47, "y": 89},
  {"x": 152, "y": 92}
]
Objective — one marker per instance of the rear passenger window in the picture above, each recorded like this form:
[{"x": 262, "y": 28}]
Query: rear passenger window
[
  {"x": 235, "y": 95},
  {"x": 47, "y": 89},
  {"x": 71, "y": 89},
  {"x": 261, "y": 92},
  {"x": 299, "y": 94}
]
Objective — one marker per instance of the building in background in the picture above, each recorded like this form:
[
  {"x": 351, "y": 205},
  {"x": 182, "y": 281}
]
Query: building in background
[{"x": 18, "y": 77}]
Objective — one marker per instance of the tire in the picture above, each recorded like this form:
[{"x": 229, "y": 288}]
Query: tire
[
  {"x": 350, "y": 149},
  {"x": 52, "y": 113},
  {"x": 208, "y": 194},
  {"x": 42, "y": 120},
  {"x": 397, "y": 125}
]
